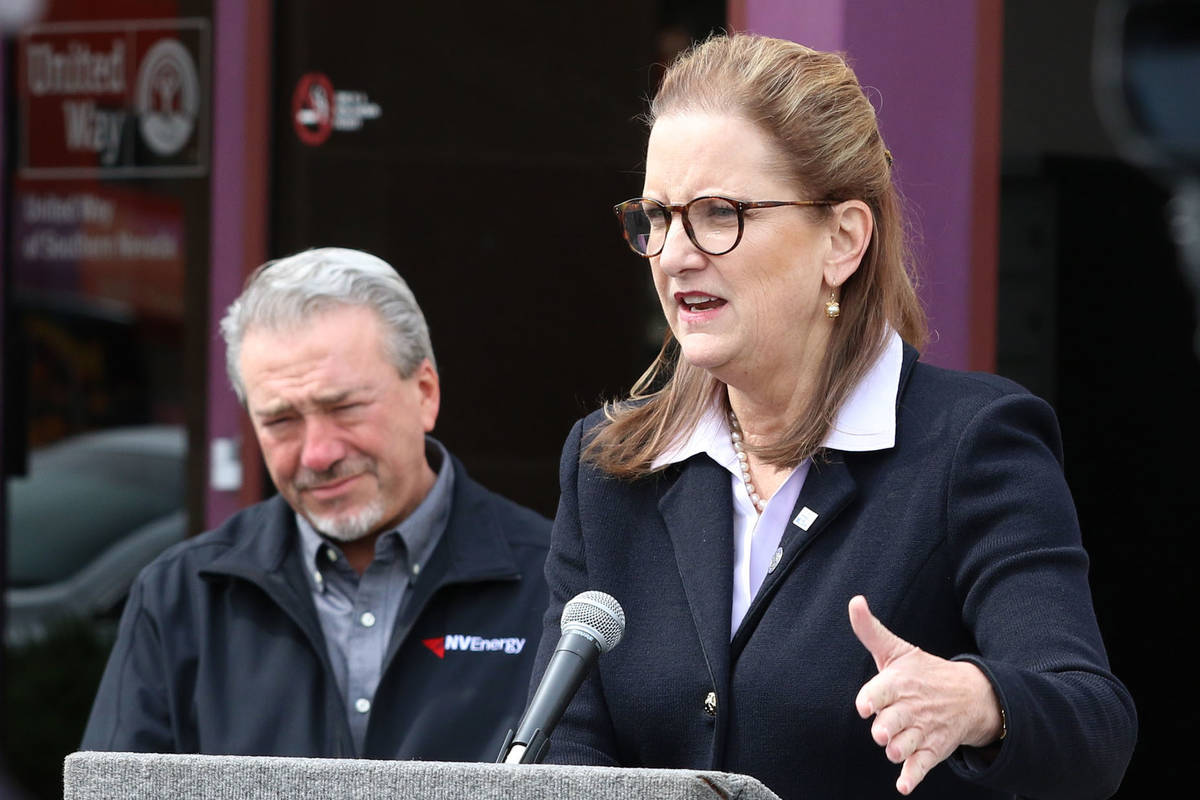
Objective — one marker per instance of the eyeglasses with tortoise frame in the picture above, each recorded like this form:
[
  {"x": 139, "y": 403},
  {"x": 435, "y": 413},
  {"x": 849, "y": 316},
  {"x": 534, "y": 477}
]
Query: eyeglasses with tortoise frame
[{"x": 713, "y": 223}]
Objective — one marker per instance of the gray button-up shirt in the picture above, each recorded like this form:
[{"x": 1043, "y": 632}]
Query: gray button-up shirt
[{"x": 358, "y": 613}]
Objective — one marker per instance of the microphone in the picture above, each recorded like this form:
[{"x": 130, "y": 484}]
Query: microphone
[{"x": 592, "y": 623}]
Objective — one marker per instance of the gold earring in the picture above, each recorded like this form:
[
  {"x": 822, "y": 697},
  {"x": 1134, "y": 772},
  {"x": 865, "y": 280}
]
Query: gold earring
[{"x": 832, "y": 309}]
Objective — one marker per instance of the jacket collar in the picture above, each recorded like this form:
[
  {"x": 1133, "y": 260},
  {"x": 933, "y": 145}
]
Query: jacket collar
[
  {"x": 266, "y": 552},
  {"x": 265, "y": 536},
  {"x": 475, "y": 543}
]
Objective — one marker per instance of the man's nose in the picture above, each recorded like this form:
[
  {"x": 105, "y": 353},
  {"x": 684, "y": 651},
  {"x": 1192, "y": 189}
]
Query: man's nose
[{"x": 323, "y": 446}]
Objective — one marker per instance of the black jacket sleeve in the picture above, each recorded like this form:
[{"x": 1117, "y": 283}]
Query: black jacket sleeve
[
  {"x": 131, "y": 711},
  {"x": 1022, "y": 575},
  {"x": 585, "y": 733}
]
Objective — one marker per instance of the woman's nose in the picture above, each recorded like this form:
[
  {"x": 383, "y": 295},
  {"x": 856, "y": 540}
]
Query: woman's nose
[{"x": 679, "y": 252}]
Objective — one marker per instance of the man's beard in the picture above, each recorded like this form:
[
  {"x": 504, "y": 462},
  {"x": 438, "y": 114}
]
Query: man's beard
[
  {"x": 351, "y": 527},
  {"x": 342, "y": 527}
]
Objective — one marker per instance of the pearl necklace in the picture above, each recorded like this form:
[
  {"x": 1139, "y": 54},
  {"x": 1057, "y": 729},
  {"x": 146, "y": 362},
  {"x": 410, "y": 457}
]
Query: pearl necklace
[{"x": 735, "y": 435}]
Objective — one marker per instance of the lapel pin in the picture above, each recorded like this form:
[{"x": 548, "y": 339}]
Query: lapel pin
[{"x": 805, "y": 518}]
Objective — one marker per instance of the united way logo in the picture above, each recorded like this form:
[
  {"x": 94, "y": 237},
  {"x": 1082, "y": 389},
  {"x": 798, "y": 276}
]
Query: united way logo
[
  {"x": 167, "y": 97},
  {"x": 122, "y": 99}
]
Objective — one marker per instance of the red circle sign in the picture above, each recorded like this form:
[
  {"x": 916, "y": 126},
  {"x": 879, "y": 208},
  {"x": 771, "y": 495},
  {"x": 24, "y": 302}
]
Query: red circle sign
[{"x": 312, "y": 108}]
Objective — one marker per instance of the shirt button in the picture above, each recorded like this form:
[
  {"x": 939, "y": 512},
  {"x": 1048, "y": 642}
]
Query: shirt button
[
  {"x": 331, "y": 554},
  {"x": 318, "y": 578},
  {"x": 710, "y": 704},
  {"x": 367, "y": 619},
  {"x": 416, "y": 569},
  {"x": 362, "y": 705}
]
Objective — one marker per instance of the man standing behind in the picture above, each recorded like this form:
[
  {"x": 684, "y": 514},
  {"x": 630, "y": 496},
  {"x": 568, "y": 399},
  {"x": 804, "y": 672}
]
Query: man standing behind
[{"x": 383, "y": 604}]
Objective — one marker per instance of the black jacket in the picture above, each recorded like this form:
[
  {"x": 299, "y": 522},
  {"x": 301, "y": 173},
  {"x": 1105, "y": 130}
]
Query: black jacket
[
  {"x": 964, "y": 539},
  {"x": 220, "y": 650}
]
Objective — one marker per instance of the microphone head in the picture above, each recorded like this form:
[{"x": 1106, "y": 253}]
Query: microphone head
[{"x": 596, "y": 615}]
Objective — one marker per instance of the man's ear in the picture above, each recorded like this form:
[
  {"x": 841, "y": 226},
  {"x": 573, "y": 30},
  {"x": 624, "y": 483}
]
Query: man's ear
[
  {"x": 431, "y": 393},
  {"x": 850, "y": 232}
]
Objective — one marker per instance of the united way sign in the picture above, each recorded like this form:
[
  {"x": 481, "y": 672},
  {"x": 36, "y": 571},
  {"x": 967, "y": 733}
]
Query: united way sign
[{"x": 120, "y": 99}]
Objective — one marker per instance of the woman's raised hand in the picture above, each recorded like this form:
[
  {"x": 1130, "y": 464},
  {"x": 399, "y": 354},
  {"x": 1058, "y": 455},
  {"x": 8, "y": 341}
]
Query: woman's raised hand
[{"x": 925, "y": 707}]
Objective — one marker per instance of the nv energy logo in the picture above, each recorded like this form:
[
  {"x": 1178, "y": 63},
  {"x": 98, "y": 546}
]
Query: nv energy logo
[{"x": 473, "y": 644}]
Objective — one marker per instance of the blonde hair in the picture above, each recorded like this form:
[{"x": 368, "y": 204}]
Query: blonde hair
[{"x": 810, "y": 104}]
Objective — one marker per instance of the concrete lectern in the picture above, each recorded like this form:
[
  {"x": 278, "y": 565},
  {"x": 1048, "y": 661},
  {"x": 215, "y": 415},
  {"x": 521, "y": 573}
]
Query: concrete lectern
[{"x": 141, "y": 776}]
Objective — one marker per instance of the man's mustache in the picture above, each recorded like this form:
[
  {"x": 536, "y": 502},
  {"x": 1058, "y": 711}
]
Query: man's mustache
[{"x": 340, "y": 470}]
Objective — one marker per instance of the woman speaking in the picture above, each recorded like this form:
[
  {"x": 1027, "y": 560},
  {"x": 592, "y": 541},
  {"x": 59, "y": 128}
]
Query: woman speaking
[{"x": 787, "y": 460}]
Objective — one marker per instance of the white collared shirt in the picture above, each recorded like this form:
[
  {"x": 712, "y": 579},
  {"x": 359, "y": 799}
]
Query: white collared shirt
[{"x": 866, "y": 421}]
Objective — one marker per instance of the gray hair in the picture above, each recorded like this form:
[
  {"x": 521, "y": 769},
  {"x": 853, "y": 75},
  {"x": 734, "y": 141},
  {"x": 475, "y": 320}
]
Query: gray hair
[{"x": 285, "y": 292}]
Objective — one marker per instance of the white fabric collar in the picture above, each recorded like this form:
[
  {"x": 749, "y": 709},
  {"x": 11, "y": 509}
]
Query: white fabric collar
[{"x": 866, "y": 421}]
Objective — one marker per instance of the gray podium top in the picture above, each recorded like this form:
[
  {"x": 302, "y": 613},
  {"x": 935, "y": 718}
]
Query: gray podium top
[{"x": 141, "y": 776}]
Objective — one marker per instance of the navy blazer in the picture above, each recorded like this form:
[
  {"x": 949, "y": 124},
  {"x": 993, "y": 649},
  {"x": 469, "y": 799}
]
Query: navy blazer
[{"x": 964, "y": 539}]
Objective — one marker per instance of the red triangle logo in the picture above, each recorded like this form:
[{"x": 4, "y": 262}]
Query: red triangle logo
[{"x": 438, "y": 646}]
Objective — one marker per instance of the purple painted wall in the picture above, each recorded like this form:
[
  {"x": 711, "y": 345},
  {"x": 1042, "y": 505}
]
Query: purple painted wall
[
  {"x": 237, "y": 223},
  {"x": 920, "y": 57},
  {"x": 918, "y": 61},
  {"x": 3, "y": 279},
  {"x": 228, "y": 211},
  {"x": 817, "y": 23}
]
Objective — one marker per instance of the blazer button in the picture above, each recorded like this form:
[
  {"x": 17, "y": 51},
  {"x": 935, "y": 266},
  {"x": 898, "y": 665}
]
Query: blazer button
[{"x": 710, "y": 704}]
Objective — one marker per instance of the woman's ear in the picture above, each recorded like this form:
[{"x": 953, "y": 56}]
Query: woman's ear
[{"x": 850, "y": 232}]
